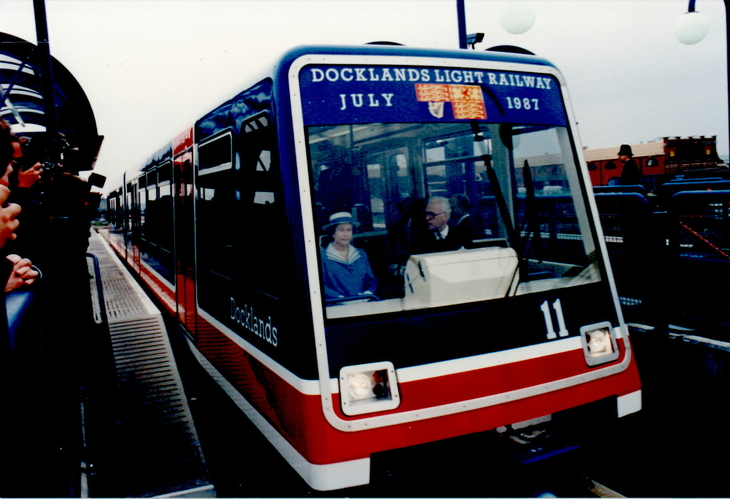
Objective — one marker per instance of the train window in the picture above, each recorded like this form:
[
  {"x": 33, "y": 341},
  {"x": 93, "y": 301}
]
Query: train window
[
  {"x": 514, "y": 186},
  {"x": 156, "y": 247},
  {"x": 152, "y": 192},
  {"x": 165, "y": 173},
  {"x": 184, "y": 220},
  {"x": 165, "y": 189},
  {"x": 241, "y": 223},
  {"x": 610, "y": 165},
  {"x": 388, "y": 174},
  {"x": 258, "y": 187},
  {"x": 457, "y": 191},
  {"x": 215, "y": 154},
  {"x": 215, "y": 205}
]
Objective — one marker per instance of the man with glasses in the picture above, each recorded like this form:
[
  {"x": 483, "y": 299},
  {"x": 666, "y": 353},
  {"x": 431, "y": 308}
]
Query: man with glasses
[{"x": 438, "y": 234}]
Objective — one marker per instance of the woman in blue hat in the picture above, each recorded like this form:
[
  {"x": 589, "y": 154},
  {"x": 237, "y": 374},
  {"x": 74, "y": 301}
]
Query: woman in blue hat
[{"x": 346, "y": 269}]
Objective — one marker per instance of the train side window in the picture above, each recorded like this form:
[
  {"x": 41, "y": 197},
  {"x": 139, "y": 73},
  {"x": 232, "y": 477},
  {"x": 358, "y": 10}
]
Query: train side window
[
  {"x": 216, "y": 205},
  {"x": 592, "y": 166},
  {"x": 157, "y": 232},
  {"x": 258, "y": 188},
  {"x": 610, "y": 165},
  {"x": 184, "y": 220},
  {"x": 146, "y": 196},
  {"x": 215, "y": 154}
]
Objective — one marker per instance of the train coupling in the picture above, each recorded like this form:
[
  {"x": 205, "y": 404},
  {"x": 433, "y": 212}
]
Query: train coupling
[{"x": 535, "y": 440}]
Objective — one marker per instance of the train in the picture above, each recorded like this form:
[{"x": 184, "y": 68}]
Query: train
[{"x": 227, "y": 226}]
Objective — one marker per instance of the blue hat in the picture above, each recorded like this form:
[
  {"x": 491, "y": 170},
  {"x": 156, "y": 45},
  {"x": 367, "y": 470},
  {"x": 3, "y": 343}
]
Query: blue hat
[{"x": 341, "y": 217}]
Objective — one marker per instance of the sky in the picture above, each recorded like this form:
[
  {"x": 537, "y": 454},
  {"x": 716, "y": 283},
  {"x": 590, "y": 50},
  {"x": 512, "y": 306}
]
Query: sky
[{"x": 151, "y": 67}]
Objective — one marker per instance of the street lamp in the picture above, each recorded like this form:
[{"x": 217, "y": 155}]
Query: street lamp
[
  {"x": 518, "y": 17},
  {"x": 692, "y": 27}
]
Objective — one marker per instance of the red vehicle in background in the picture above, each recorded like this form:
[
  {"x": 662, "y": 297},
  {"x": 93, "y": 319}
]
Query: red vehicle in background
[{"x": 658, "y": 161}]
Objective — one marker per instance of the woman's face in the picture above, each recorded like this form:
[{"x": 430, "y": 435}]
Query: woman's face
[
  {"x": 17, "y": 154},
  {"x": 343, "y": 234}
]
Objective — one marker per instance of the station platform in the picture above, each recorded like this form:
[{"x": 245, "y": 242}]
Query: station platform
[
  {"x": 155, "y": 444},
  {"x": 96, "y": 405}
]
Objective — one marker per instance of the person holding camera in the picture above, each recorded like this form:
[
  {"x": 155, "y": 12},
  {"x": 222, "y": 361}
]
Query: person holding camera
[{"x": 20, "y": 271}]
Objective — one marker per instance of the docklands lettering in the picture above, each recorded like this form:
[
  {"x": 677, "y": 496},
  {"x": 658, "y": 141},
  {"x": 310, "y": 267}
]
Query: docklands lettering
[
  {"x": 429, "y": 76},
  {"x": 246, "y": 317}
]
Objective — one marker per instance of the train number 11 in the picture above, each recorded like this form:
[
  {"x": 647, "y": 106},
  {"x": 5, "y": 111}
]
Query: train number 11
[{"x": 558, "y": 309}]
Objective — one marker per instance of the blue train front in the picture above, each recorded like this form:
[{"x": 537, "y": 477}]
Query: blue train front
[{"x": 519, "y": 319}]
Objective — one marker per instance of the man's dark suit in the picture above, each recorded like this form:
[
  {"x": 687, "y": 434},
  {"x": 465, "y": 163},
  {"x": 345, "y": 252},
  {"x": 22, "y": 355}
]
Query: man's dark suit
[{"x": 426, "y": 241}]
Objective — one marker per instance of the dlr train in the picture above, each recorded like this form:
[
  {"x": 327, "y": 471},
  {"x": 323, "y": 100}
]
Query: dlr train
[{"x": 293, "y": 231}]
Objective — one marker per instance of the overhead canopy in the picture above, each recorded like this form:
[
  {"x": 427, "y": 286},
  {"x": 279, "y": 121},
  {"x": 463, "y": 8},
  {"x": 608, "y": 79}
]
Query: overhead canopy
[{"x": 21, "y": 101}]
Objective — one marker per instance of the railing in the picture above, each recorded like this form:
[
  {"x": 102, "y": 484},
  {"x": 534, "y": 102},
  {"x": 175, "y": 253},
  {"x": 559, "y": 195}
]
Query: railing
[{"x": 671, "y": 259}]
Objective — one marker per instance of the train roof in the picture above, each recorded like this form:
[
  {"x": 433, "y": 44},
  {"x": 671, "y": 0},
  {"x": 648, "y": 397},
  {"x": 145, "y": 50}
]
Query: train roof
[{"x": 506, "y": 54}]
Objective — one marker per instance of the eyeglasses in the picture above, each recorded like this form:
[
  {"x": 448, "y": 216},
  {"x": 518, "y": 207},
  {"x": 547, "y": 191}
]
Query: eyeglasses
[{"x": 431, "y": 216}]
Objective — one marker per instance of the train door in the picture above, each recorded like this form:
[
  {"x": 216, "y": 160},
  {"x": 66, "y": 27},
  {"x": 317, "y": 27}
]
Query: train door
[
  {"x": 116, "y": 219},
  {"x": 165, "y": 237},
  {"x": 184, "y": 230},
  {"x": 147, "y": 188},
  {"x": 134, "y": 226},
  {"x": 215, "y": 234},
  {"x": 127, "y": 218}
]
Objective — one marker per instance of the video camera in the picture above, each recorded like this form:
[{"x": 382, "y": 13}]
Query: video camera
[{"x": 60, "y": 160}]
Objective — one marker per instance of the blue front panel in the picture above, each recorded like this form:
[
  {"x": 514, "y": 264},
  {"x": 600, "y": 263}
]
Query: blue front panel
[{"x": 382, "y": 94}]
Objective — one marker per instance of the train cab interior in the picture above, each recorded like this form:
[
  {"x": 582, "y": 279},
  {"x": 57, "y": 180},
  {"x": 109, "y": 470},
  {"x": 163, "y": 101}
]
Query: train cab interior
[{"x": 517, "y": 186}]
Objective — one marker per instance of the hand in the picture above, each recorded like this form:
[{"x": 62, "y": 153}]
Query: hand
[
  {"x": 31, "y": 176},
  {"x": 8, "y": 214},
  {"x": 23, "y": 273},
  {"x": 5, "y": 179},
  {"x": 4, "y": 193}
]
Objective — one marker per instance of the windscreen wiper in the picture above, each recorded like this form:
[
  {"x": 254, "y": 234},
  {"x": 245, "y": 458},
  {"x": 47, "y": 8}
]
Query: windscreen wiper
[
  {"x": 494, "y": 182},
  {"x": 531, "y": 220}
]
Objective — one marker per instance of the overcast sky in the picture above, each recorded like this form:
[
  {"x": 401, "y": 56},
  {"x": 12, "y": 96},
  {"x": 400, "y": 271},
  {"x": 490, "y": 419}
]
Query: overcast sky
[{"x": 151, "y": 67}]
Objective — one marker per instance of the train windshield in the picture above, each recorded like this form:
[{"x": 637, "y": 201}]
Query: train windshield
[{"x": 451, "y": 209}]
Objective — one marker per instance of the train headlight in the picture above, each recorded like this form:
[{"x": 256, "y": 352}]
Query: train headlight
[
  {"x": 368, "y": 388},
  {"x": 599, "y": 343}
]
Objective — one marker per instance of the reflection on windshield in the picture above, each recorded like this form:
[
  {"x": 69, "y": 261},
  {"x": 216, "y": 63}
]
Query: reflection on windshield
[{"x": 421, "y": 215}]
